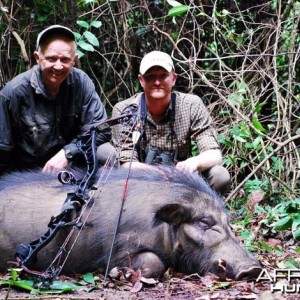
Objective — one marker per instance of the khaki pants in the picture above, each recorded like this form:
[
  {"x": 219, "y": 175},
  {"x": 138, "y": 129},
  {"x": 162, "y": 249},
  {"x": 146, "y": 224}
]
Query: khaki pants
[
  {"x": 106, "y": 153},
  {"x": 218, "y": 178}
]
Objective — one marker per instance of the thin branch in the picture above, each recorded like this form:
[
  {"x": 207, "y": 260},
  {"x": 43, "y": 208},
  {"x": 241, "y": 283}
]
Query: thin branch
[{"x": 294, "y": 138}]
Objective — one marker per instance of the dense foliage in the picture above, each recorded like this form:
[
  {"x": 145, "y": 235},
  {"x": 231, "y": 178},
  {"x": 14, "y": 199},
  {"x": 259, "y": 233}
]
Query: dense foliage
[{"x": 241, "y": 57}]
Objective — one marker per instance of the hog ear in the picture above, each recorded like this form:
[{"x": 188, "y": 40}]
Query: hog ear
[{"x": 173, "y": 214}]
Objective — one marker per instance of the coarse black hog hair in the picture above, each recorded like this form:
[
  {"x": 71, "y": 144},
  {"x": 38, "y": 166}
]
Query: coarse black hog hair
[
  {"x": 15, "y": 178},
  {"x": 150, "y": 174}
]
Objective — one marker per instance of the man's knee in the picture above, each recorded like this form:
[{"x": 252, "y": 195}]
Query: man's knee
[
  {"x": 218, "y": 178},
  {"x": 106, "y": 153}
]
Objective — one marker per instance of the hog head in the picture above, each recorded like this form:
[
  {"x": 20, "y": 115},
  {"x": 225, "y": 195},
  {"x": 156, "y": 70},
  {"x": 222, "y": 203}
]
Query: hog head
[{"x": 204, "y": 242}]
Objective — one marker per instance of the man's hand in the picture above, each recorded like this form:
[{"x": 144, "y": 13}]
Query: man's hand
[
  {"x": 189, "y": 165},
  {"x": 57, "y": 163},
  {"x": 201, "y": 162}
]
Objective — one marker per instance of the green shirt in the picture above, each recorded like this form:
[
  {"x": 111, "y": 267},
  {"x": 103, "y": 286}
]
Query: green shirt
[{"x": 192, "y": 122}]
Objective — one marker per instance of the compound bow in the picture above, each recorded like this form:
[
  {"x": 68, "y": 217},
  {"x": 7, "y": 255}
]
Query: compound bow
[{"x": 75, "y": 203}]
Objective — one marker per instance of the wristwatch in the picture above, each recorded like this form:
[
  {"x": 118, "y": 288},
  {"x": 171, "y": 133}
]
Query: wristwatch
[{"x": 68, "y": 153}]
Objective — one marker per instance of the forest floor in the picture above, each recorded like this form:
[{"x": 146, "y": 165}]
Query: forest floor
[{"x": 173, "y": 286}]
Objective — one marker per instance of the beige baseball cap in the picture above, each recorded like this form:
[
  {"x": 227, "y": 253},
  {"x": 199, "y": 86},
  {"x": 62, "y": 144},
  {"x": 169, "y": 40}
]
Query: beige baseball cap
[
  {"x": 52, "y": 30},
  {"x": 156, "y": 58}
]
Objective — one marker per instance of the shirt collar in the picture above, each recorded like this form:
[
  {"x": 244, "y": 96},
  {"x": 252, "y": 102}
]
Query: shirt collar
[{"x": 166, "y": 118}]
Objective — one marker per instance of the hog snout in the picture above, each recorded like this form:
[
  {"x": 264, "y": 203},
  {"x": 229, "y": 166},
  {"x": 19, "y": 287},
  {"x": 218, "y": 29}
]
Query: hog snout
[
  {"x": 224, "y": 270},
  {"x": 249, "y": 273}
]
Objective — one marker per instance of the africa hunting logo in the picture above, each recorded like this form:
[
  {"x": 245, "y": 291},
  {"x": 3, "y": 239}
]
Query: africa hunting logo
[{"x": 282, "y": 280}]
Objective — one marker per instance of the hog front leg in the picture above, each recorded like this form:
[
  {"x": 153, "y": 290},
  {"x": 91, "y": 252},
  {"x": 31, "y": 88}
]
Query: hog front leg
[{"x": 150, "y": 264}]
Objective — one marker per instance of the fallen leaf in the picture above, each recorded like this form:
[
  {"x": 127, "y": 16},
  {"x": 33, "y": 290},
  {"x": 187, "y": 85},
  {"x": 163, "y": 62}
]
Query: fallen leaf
[
  {"x": 136, "y": 287},
  {"x": 149, "y": 280},
  {"x": 254, "y": 198},
  {"x": 115, "y": 273},
  {"x": 273, "y": 242},
  {"x": 251, "y": 296}
]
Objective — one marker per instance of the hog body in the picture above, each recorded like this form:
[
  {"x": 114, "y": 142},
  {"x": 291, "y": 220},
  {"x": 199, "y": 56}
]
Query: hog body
[{"x": 169, "y": 219}]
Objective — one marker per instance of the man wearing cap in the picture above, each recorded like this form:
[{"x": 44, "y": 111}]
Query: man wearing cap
[
  {"x": 168, "y": 122},
  {"x": 44, "y": 110}
]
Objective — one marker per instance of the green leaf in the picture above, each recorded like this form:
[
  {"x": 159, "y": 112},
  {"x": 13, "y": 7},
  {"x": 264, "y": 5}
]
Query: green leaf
[
  {"x": 42, "y": 18},
  {"x": 96, "y": 24},
  {"x": 79, "y": 53},
  {"x": 239, "y": 40},
  {"x": 239, "y": 138},
  {"x": 225, "y": 12},
  {"x": 265, "y": 247},
  {"x": 77, "y": 35},
  {"x": 278, "y": 251},
  {"x": 246, "y": 234},
  {"x": 91, "y": 38},
  {"x": 89, "y": 278},
  {"x": 178, "y": 10},
  {"x": 296, "y": 234},
  {"x": 296, "y": 222},
  {"x": 83, "y": 24},
  {"x": 141, "y": 31},
  {"x": 283, "y": 224},
  {"x": 247, "y": 219},
  {"x": 291, "y": 263},
  {"x": 257, "y": 141},
  {"x": 296, "y": 227},
  {"x": 259, "y": 107},
  {"x": 235, "y": 99},
  {"x": 85, "y": 46},
  {"x": 258, "y": 125},
  {"x": 174, "y": 3},
  {"x": 23, "y": 284},
  {"x": 64, "y": 286},
  {"x": 244, "y": 164},
  {"x": 242, "y": 87},
  {"x": 14, "y": 274}
]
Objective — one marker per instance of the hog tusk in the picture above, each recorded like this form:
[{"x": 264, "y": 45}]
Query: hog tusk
[{"x": 222, "y": 269}]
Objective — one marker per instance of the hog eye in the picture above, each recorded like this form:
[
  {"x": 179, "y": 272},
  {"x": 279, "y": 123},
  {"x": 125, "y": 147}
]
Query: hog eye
[{"x": 205, "y": 223}]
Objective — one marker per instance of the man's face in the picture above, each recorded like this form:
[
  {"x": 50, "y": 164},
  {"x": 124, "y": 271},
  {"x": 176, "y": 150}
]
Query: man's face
[
  {"x": 157, "y": 82},
  {"x": 56, "y": 59}
]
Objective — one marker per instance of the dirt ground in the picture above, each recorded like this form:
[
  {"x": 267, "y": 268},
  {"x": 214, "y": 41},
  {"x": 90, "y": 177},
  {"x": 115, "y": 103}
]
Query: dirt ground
[{"x": 175, "y": 287}]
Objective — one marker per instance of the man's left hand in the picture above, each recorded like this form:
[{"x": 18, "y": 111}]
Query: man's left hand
[
  {"x": 201, "y": 162},
  {"x": 57, "y": 163},
  {"x": 188, "y": 165}
]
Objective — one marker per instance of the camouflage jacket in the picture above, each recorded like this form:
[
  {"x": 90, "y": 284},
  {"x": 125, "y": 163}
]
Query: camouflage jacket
[{"x": 34, "y": 126}]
